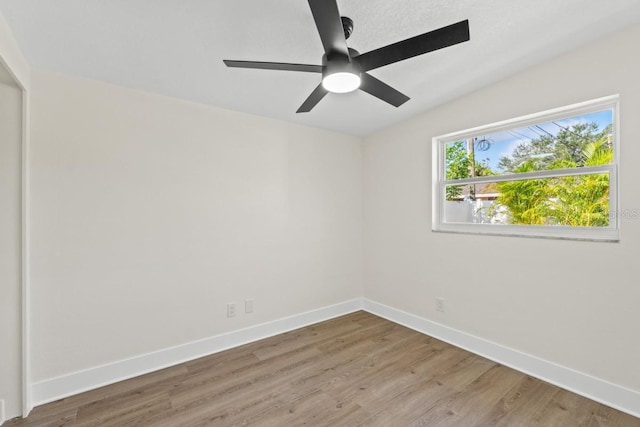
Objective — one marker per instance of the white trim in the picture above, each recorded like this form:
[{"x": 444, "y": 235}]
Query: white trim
[
  {"x": 613, "y": 395},
  {"x": 602, "y": 391},
  {"x": 585, "y": 107},
  {"x": 27, "y": 403},
  {"x": 596, "y": 234},
  {"x": 439, "y": 182},
  {"x": 78, "y": 382},
  {"x": 2, "y": 419},
  {"x": 548, "y": 173}
]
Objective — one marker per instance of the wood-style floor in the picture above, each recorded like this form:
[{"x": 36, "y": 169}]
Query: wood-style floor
[{"x": 356, "y": 370}]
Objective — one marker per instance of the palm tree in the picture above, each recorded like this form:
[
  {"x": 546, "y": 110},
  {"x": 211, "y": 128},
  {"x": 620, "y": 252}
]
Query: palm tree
[
  {"x": 527, "y": 199},
  {"x": 581, "y": 200}
]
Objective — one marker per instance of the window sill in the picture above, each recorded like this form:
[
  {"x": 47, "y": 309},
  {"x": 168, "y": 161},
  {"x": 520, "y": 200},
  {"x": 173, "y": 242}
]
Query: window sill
[{"x": 600, "y": 234}]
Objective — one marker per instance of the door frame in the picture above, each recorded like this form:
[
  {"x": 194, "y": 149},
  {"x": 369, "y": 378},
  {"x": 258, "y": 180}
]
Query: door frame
[{"x": 27, "y": 403}]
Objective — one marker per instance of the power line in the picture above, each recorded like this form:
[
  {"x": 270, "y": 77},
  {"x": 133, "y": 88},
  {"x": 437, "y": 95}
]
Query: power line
[
  {"x": 534, "y": 130},
  {"x": 566, "y": 128},
  {"x": 518, "y": 134},
  {"x": 545, "y": 131}
]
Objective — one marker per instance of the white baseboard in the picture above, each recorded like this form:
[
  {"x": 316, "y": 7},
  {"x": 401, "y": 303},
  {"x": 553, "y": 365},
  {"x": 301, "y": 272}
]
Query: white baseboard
[
  {"x": 610, "y": 394},
  {"x": 78, "y": 382},
  {"x": 613, "y": 395}
]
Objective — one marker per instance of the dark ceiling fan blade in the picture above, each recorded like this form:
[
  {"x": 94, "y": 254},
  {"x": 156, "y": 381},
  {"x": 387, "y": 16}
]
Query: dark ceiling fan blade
[
  {"x": 274, "y": 66},
  {"x": 315, "y": 97},
  {"x": 383, "y": 91},
  {"x": 327, "y": 18},
  {"x": 424, "y": 43}
]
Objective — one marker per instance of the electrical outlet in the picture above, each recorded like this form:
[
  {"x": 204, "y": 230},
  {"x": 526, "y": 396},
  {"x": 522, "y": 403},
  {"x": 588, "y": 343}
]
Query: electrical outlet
[
  {"x": 440, "y": 304},
  {"x": 248, "y": 306},
  {"x": 231, "y": 309}
]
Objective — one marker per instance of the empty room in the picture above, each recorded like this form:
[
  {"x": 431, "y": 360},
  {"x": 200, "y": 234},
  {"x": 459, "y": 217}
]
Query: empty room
[{"x": 319, "y": 213}]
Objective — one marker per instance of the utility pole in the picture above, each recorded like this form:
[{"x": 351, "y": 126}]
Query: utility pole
[{"x": 472, "y": 166}]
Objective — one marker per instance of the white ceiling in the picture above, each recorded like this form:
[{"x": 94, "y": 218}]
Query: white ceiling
[{"x": 176, "y": 48}]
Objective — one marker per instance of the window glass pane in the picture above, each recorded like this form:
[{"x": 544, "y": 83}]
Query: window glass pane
[
  {"x": 583, "y": 140},
  {"x": 580, "y": 201}
]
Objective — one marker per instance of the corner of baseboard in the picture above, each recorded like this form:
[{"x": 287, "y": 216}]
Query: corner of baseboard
[
  {"x": 613, "y": 395},
  {"x": 586, "y": 385},
  {"x": 77, "y": 382}
]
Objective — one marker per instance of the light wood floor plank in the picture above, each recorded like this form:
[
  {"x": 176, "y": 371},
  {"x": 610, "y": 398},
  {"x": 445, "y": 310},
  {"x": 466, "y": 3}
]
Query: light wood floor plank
[{"x": 355, "y": 370}]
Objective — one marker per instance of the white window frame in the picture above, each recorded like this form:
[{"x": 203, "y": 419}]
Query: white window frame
[{"x": 609, "y": 233}]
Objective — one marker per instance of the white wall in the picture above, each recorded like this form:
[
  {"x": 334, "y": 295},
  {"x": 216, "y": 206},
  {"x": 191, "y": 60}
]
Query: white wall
[
  {"x": 14, "y": 76},
  {"x": 11, "y": 56},
  {"x": 572, "y": 303},
  {"x": 150, "y": 214}
]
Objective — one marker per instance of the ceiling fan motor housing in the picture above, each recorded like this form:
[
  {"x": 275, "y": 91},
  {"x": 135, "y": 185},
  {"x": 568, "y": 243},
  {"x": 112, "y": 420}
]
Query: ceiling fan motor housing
[
  {"x": 340, "y": 74},
  {"x": 336, "y": 63}
]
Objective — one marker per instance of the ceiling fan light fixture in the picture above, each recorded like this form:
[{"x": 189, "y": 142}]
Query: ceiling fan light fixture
[{"x": 341, "y": 82}]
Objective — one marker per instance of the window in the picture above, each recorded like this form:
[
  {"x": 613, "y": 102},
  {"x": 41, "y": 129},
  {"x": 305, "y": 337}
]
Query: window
[{"x": 550, "y": 174}]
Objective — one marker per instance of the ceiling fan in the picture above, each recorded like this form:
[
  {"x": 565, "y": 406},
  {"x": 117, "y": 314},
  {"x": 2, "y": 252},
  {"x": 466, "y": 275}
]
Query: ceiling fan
[{"x": 344, "y": 69}]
